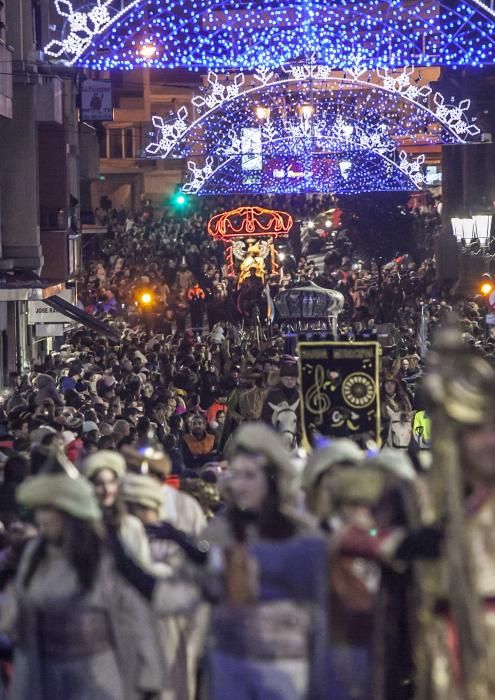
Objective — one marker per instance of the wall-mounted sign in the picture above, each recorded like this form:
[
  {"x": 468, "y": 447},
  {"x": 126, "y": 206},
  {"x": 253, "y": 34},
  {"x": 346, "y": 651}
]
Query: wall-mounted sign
[
  {"x": 49, "y": 330},
  {"x": 39, "y": 312},
  {"x": 96, "y": 101},
  {"x": 339, "y": 389}
]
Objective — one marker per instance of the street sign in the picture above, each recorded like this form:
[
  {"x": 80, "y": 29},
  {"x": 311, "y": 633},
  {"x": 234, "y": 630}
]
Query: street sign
[
  {"x": 39, "y": 312},
  {"x": 96, "y": 101}
]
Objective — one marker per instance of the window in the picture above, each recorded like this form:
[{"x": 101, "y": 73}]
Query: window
[
  {"x": 119, "y": 143},
  {"x": 115, "y": 143},
  {"x": 128, "y": 143}
]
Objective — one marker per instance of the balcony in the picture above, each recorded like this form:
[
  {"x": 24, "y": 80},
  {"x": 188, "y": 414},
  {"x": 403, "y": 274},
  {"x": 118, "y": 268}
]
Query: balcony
[{"x": 5, "y": 81}]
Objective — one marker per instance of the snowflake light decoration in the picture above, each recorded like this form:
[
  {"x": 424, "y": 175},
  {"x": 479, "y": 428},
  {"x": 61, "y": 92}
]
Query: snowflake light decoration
[
  {"x": 424, "y": 113},
  {"x": 106, "y": 34},
  {"x": 342, "y": 173}
]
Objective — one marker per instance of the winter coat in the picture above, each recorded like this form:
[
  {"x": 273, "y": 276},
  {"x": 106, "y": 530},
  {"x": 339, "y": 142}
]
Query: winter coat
[
  {"x": 47, "y": 390},
  {"x": 125, "y": 669}
]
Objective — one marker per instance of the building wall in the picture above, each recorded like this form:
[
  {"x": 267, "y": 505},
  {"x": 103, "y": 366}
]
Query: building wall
[
  {"x": 127, "y": 178},
  {"x": 39, "y": 171}
]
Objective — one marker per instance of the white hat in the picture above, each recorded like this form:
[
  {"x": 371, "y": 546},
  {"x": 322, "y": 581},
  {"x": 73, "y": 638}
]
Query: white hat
[
  {"x": 143, "y": 490},
  {"x": 104, "y": 459},
  {"x": 89, "y": 426},
  {"x": 68, "y": 436},
  {"x": 323, "y": 458}
]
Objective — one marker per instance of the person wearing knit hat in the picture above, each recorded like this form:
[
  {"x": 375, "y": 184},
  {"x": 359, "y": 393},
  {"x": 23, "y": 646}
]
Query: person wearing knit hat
[
  {"x": 268, "y": 552},
  {"x": 104, "y": 459},
  {"x": 66, "y": 492},
  {"x": 105, "y": 470},
  {"x": 78, "y": 614}
]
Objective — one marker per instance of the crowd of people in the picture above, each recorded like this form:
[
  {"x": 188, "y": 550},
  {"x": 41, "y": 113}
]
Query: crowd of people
[{"x": 160, "y": 538}]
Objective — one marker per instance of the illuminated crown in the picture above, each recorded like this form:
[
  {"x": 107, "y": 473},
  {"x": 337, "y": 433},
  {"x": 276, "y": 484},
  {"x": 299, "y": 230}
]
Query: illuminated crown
[{"x": 249, "y": 221}]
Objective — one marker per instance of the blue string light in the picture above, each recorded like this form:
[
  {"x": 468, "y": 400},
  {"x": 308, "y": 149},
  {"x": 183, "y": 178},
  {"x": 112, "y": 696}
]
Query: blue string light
[
  {"x": 263, "y": 33},
  {"x": 308, "y": 131},
  {"x": 343, "y": 173}
]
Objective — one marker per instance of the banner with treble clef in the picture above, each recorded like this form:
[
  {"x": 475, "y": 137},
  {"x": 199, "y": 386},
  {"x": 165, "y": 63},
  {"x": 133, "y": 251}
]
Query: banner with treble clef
[{"x": 339, "y": 387}]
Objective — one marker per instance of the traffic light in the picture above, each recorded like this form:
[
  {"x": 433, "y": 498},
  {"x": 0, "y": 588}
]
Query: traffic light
[
  {"x": 487, "y": 286},
  {"x": 179, "y": 200}
]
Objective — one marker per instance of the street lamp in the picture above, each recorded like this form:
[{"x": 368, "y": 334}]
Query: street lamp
[
  {"x": 148, "y": 49},
  {"x": 457, "y": 228},
  {"x": 482, "y": 228},
  {"x": 306, "y": 111},
  {"x": 262, "y": 113},
  {"x": 467, "y": 229}
]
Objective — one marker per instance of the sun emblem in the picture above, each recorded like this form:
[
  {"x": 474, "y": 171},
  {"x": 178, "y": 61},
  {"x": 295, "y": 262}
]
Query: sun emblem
[{"x": 358, "y": 390}]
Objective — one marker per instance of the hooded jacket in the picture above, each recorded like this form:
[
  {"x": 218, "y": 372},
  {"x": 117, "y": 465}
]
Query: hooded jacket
[{"x": 47, "y": 390}]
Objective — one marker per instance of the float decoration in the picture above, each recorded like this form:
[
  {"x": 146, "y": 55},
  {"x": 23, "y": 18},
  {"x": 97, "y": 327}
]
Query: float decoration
[{"x": 240, "y": 230}]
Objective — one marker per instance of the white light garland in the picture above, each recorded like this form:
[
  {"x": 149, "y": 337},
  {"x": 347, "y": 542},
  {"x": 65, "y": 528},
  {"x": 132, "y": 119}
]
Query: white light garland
[{"x": 221, "y": 91}]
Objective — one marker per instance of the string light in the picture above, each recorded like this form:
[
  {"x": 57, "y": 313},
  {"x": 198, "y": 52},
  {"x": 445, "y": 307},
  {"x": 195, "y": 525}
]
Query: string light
[
  {"x": 245, "y": 138},
  {"x": 416, "y": 116},
  {"x": 250, "y": 222},
  {"x": 203, "y": 33},
  {"x": 292, "y": 174}
]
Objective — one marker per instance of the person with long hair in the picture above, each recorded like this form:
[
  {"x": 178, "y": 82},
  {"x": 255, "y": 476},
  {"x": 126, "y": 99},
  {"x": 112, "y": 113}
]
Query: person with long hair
[
  {"x": 396, "y": 413},
  {"x": 81, "y": 632},
  {"x": 267, "y": 630},
  {"x": 105, "y": 469}
]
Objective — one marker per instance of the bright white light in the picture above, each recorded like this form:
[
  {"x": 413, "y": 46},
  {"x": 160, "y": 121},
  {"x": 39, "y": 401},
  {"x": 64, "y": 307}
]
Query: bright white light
[
  {"x": 347, "y": 130},
  {"x": 262, "y": 113},
  {"x": 311, "y": 224},
  {"x": 457, "y": 228},
  {"x": 306, "y": 111},
  {"x": 328, "y": 223},
  {"x": 467, "y": 229},
  {"x": 281, "y": 256},
  {"x": 345, "y": 167},
  {"x": 483, "y": 227},
  {"x": 147, "y": 50}
]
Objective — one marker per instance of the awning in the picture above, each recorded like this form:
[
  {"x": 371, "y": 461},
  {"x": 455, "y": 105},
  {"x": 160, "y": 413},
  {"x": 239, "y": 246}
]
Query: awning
[
  {"x": 22, "y": 290},
  {"x": 76, "y": 314}
]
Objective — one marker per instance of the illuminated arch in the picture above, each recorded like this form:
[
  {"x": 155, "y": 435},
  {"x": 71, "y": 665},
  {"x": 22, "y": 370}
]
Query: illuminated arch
[
  {"x": 398, "y": 100},
  {"x": 109, "y": 34},
  {"x": 340, "y": 172}
]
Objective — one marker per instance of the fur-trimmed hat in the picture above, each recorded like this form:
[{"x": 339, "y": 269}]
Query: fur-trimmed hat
[
  {"x": 356, "y": 486},
  {"x": 143, "y": 490},
  {"x": 339, "y": 451},
  {"x": 104, "y": 459},
  {"x": 64, "y": 490},
  {"x": 259, "y": 439}
]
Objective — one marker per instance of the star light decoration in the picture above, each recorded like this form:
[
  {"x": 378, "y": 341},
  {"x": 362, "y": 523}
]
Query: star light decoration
[{"x": 107, "y": 34}]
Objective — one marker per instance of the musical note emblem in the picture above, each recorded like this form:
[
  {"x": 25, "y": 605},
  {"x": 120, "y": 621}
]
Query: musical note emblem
[{"x": 315, "y": 401}]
